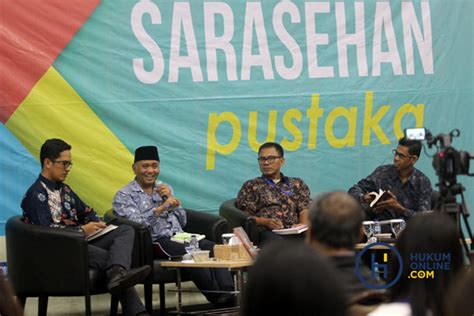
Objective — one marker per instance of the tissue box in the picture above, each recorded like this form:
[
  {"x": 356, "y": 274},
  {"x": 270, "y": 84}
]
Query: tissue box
[
  {"x": 200, "y": 255},
  {"x": 230, "y": 252}
]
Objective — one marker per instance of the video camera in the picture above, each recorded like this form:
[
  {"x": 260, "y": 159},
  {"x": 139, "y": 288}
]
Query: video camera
[{"x": 447, "y": 161}]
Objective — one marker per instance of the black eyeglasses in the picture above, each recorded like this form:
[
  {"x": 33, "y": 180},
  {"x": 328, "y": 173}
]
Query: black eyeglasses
[
  {"x": 66, "y": 163},
  {"x": 399, "y": 154},
  {"x": 269, "y": 159}
]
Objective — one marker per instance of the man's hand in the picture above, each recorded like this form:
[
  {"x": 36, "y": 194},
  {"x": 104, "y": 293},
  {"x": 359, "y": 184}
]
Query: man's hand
[
  {"x": 367, "y": 198},
  {"x": 92, "y": 227},
  {"x": 163, "y": 190},
  {"x": 391, "y": 203},
  {"x": 269, "y": 223},
  {"x": 170, "y": 203}
]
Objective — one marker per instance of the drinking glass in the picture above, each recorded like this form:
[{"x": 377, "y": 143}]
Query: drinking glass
[
  {"x": 368, "y": 227},
  {"x": 187, "y": 245},
  {"x": 397, "y": 226}
]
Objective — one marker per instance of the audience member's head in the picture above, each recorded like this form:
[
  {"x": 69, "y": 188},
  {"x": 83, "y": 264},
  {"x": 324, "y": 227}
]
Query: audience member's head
[
  {"x": 292, "y": 279},
  {"x": 8, "y": 304},
  {"x": 460, "y": 299},
  {"x": 335, "y": 221},
  {"x": 426, "y": 234}
]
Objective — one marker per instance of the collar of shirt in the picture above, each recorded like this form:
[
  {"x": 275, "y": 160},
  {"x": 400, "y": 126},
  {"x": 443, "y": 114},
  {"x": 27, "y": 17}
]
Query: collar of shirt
[
  {"x": 136, "y": 187},
  {"x": 283, "y": 179},
  {"x": 396, "y": 176},
  {"x": 50, "y": 184}
]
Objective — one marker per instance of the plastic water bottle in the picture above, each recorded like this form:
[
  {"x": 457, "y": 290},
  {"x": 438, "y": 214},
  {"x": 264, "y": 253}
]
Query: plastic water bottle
[
  {"x": 377, "y": 229},
  {"x": 194, "y": 243}
]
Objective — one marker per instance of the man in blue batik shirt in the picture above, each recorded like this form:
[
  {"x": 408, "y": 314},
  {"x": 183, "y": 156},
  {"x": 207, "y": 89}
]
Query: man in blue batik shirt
[
  {"x": 51, "y": 202},
  {"x": 408, "y": 188},
  {"x": 153, "y": 204}
]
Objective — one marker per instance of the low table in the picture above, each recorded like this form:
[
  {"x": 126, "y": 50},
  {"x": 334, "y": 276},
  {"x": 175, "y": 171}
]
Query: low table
[{"x": 238, "y": 266}]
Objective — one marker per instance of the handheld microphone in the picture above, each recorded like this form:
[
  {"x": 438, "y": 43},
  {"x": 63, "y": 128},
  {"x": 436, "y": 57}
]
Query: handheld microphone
[{"x": 164, "y": 197}]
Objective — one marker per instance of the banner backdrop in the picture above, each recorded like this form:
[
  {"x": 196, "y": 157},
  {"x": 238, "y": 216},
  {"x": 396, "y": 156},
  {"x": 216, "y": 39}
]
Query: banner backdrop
[{"x": 335, "y": 82}]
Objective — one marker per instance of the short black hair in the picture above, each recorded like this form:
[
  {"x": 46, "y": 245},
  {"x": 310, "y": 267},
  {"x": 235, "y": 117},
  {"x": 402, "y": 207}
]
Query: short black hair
[
  {"x": 336, "y": 219},
  {"x": 52, "y": 149},
  {"x": 291, "y": 278},
  {"x": 272, "y": 145},
  {"x": 414, "y": 146}
]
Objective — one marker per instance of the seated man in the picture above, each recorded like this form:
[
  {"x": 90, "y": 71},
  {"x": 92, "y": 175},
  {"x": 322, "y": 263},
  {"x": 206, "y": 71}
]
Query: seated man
[
  {"x": 51, "y": 202},
  {"x": 276, "y": 201},
  {"x": 335, "y": 226},
  {"x": 152, "y": 203},
  {"x": 408, "y": 188}
]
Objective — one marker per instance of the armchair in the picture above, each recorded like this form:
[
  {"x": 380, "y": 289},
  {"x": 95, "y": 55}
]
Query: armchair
[
  {"x": 212, "y": 226},
  {"x": 236, "y": 217},
  {"x": 45, "y": 261}
]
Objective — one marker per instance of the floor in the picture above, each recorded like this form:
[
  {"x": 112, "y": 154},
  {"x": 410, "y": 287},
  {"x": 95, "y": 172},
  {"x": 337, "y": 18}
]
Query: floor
[
  {"x": 101, "y": 303},
  {"x": 71, "y": 306}
]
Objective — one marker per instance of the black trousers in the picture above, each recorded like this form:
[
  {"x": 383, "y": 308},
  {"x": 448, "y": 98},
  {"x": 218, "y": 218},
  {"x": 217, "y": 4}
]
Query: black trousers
[
  {"x": 204, "y": 278},
  {"x": 115, "y": 248}
]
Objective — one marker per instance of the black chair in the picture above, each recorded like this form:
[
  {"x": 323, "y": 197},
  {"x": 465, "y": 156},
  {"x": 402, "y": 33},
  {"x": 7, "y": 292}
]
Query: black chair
[
  {"x": 203, "y": 223},
  {"x": 238, "y": 218},
  {"x": 45, "y": 261}
]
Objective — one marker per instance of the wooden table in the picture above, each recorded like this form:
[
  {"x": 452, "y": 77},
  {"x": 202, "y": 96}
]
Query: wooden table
[
  {"x": 361, "y": 246},
  {"x": 232, "y": 265}
]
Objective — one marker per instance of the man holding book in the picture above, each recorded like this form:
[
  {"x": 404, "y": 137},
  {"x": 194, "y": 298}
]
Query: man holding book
[
  {"x": 275, "y": 200},
  {"x": 152, "y": 203},
  {"x": 51, "y": 202},
  {"x": 403, "y": 189}
]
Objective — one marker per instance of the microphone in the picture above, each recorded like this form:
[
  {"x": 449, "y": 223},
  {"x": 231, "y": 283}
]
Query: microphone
[{"x": 164, "y": 197}]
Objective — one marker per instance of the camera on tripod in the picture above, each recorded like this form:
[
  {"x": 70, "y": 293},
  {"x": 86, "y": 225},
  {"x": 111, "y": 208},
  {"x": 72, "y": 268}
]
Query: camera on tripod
[{"x": 448, "y": 162}]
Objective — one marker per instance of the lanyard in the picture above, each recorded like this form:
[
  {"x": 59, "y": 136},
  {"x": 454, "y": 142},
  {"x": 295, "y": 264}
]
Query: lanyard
[{"x": 285, "y": 192}]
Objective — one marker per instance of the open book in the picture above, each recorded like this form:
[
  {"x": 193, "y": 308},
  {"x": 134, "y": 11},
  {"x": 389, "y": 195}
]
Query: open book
[
  {"x": 101, "y": 232},
  {"x": 378, "y": 197},
  {"x": 181, "y": 237},
  {"x": 292, "y": 230}
]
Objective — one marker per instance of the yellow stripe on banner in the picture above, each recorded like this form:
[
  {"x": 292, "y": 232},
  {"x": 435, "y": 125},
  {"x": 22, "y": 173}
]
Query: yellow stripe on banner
[{"x": 53, "y": 109}]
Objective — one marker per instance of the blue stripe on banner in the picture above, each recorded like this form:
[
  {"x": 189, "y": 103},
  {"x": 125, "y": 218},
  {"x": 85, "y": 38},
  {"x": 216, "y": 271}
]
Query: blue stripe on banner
[{"x": 18, "y": 171}]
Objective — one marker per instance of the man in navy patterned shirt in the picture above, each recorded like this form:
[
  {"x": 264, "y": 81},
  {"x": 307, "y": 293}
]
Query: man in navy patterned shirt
[
  {"x": 408, "y": 188},
  {"x": 51, "y": 202}
]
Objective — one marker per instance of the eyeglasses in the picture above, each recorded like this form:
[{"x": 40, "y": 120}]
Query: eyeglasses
[
  {"x": 66, "y": 163},
  {"x": 399, "y": 154},
  {"x": 269, "y": 159}
]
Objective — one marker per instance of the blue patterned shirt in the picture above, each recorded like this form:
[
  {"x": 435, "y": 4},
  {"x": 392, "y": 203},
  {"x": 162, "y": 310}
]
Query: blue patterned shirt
[
  {"x": 414, "y": 194},
  {"x": 138, "y": 206}
]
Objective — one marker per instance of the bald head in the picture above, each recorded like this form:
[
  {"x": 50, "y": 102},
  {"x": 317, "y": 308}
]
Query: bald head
[{"x": 335, "y": 220}]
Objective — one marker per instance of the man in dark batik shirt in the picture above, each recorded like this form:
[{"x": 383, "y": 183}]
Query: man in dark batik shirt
[
  {"x": 276, "y": 201},
  {"x": 51, "y": 202},
  {"x": 409, "y": 189}
]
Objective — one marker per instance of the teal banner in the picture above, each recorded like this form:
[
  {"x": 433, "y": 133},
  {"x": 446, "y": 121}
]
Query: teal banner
[{"x": 335, "y": 82}]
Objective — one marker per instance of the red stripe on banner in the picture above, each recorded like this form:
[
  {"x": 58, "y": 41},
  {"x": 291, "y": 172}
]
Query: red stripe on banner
[{"x": 33, "y": 34}]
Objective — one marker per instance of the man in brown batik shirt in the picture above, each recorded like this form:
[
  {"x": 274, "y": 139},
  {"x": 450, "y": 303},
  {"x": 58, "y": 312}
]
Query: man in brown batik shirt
[{"x": 275, "y": 200}]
